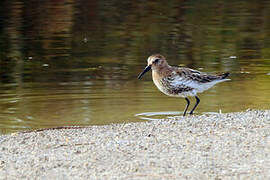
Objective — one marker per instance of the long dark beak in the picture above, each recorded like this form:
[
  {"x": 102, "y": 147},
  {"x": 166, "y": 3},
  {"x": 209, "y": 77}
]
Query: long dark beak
[{"x": 147, "y": 68}]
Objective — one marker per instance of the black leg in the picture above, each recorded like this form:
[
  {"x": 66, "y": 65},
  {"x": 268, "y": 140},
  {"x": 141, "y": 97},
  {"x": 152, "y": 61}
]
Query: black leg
[
  {"x": 197, "y": 102},
  {"x": 186, "y": 106}
]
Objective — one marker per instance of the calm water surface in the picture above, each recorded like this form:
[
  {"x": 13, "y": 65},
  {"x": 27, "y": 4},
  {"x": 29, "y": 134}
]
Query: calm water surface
[{"x": 76, "y": 62}]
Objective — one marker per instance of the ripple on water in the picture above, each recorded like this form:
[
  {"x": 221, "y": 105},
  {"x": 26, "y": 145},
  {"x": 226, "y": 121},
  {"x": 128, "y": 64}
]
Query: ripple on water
[{"x": 154, "y": 116}]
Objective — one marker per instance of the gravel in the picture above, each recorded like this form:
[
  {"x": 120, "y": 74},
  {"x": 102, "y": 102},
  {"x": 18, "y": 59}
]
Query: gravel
[{"x": 220, "y": 146}]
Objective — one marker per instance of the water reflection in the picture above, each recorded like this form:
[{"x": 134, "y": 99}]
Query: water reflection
[{"x": 76, "y": 62}]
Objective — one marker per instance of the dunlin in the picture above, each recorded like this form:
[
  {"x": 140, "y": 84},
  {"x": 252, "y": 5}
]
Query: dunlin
[{"x": 180, "y": 81}]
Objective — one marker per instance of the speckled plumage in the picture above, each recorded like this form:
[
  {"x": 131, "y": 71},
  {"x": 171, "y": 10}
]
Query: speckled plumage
[{"x": 179, "y": 81}]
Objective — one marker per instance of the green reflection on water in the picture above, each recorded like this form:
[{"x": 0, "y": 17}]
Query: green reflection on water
[{"x": 76, "y": 62}]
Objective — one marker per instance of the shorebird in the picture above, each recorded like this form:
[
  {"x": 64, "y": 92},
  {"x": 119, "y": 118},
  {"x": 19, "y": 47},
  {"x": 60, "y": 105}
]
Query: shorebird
[{"x": 180, "y": 81}]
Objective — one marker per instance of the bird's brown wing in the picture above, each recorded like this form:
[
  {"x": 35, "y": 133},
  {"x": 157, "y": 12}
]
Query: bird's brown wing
[{"x": 198, "y": 76}]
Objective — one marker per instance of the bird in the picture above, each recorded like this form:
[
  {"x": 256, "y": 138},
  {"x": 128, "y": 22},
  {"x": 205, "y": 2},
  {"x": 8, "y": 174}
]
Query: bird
[{"x": 180, "y": 81}]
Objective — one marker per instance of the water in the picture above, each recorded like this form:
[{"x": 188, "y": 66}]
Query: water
[{"x": 76, "y": 62}]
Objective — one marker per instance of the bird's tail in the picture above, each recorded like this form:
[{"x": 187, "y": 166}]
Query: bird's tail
[{"x": 224, "y": 75}]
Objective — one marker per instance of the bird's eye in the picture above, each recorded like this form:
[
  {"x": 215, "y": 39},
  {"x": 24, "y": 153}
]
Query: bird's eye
[{"x": 156, "y": 60}]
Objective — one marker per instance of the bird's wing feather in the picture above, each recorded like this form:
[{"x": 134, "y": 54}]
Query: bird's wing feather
[{"x": 191, "y": 78}]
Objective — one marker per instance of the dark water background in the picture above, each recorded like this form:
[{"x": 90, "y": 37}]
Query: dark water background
[{"x": 76, "y": 62}]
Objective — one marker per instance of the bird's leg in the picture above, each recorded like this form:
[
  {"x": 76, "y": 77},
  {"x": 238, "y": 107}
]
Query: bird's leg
[
  {"x": 186, "y": 106},
  {"x": 197, "y": 102}
]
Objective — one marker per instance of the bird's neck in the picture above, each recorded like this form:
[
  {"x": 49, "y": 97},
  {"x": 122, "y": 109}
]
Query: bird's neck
[{"x": 160, "y": 72}]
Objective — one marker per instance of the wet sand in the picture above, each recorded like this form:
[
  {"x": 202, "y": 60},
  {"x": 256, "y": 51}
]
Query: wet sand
[{"x": 221, "y": 146}]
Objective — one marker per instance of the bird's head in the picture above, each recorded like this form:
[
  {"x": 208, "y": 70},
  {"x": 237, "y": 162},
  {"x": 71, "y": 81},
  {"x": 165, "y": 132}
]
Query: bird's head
[{"x": 154, "y": 62}]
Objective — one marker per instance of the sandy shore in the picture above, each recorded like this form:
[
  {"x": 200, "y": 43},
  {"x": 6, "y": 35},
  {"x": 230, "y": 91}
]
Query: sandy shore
[{"x": 222, "y": 146}]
